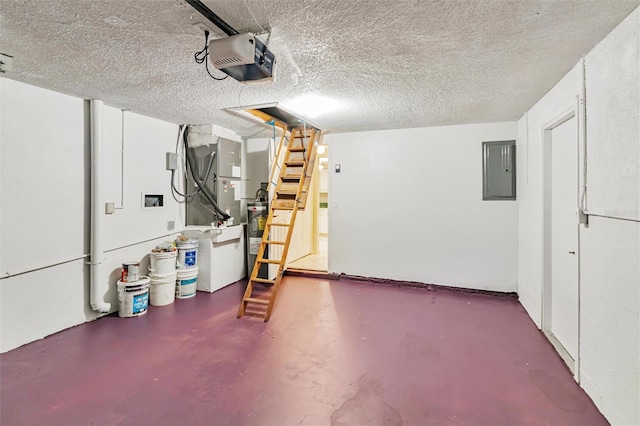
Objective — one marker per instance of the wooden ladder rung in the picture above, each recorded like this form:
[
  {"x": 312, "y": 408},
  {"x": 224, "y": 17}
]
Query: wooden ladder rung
[
  {"x": 263, "y": 280},
  {"x": 297, "y": 149},
  {"x": 291, "y": 177},
  {"x": 295, "y": 163},
  {"x": 278, "y": 224},
  {"x": 275, "y": 262},
  {"x": 254, "y": 300},
  {"x": 280, "y": 243},
  {"x": 283, "y": 204},
  {"x": 289, "y": 192},
  {"x": 288, "y": 186}
]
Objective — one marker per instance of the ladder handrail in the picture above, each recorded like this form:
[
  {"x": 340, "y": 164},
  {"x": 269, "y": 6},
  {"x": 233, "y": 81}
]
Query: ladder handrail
[{"x": 276, "y": 159}]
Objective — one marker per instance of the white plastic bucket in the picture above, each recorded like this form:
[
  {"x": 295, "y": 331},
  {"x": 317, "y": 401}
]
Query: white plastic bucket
[
  {"x": 163, "y": 289},
  {"x": 133, "y": 297},
  {"x": 162, "y": 263},
  {"x": 187, "y": 254},
  {"x": 186, "y": 282}
]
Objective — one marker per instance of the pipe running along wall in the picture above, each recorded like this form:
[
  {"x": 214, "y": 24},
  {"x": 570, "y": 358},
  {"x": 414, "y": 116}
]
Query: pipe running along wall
[{"x": 98, "y": 286}]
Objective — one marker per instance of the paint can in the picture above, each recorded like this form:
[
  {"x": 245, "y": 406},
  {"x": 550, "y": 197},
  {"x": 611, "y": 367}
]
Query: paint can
[
  {"x": 162, "y": 263},
  {"x": 187, "y": 254},
  {"x": 186, "y": 282},
  {"x": 162, "y": 289},
  {"x": 133, "y": 297},
  {"x": 130, "y": 272}
]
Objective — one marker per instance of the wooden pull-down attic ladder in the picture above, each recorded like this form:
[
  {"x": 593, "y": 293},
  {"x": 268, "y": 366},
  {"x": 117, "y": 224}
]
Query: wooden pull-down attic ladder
[{"x": 290, "y": 195}]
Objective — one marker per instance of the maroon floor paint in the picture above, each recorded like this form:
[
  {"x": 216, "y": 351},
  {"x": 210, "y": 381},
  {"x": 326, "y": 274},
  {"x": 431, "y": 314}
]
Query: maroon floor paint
[{"x": 334, "y": 352}]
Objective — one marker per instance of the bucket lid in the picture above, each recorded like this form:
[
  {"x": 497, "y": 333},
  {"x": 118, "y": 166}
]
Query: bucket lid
[
  {"x": 171, "y": 276},
  {"x": 164, "y": 254},
  {"x": 187, "y": 271},
  {"x": 186, "y": 243},
  {"x": 141, "y": 281}
]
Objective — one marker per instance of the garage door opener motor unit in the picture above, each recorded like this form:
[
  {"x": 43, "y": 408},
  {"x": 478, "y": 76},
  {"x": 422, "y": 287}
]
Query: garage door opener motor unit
[{"x": 244, "y": 57}]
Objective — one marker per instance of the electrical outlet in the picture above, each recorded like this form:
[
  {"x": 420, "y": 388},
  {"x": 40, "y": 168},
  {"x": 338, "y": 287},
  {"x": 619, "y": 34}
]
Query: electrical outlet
[
  {"x": 171, "y": 225},
  {"x": 6, "y": 63}
]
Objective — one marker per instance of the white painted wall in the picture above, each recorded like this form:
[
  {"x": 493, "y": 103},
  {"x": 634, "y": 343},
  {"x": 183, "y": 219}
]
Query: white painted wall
[
  {"x": 44, "y": 207},
  {"x": 43, "y": 178},
  {"x": 407, "y": 205},
  {"x": 146, "y": 142},
  {"x": 610, "y": 284},
  {"x": 609, "y": 248}
]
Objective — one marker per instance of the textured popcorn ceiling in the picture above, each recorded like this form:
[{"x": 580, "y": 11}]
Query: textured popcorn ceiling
[{"x": 386, "y": 64}]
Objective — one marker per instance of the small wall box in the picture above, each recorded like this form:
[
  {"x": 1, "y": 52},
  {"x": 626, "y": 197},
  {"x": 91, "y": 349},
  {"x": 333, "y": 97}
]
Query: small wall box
[{"x": 152, "y": 201}]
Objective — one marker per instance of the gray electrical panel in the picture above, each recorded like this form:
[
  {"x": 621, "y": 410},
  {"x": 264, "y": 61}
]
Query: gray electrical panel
[
  {"x": 499, "y": 170},
  {"x": 219, "y": 162}
]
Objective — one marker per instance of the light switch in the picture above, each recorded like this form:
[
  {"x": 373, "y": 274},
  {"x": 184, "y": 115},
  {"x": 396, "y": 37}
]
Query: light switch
[
  {"x": 337, "y": 168},
  {"x": 109, "y": 208}
]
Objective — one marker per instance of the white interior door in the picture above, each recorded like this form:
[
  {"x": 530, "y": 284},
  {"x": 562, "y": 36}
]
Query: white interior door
[{"x": 564, "y": 236}]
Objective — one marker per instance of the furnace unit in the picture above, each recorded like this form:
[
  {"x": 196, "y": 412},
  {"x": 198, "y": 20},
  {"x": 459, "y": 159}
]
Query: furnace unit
[{"x": 216, "y": 164}]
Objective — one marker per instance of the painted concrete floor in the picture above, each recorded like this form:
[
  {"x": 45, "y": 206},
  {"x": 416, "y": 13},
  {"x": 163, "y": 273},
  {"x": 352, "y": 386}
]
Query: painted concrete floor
[{"x": 334, "y": 352}]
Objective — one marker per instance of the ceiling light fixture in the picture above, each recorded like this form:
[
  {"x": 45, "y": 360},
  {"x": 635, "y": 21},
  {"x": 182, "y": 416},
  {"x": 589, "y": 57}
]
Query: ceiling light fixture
[{"x": 312, "y": 105}]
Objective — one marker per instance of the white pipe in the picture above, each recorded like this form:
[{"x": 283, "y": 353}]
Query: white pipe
[
  {"x": 610, "y": 216},
  {"x": 583, "y": 130},
  {"x": 99, "y": 286},
  {"x": 122, "y": 164}
]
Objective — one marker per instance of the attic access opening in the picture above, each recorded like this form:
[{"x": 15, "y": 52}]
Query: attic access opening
[{"x": 264, "y": 113}]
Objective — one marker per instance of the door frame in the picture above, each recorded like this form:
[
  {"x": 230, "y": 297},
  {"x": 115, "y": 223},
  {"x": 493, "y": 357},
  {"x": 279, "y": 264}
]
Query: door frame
[{"x": 564, "y": 114}]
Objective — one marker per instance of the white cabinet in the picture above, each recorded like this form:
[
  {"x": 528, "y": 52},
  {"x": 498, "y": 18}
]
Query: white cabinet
[{"x": 221, "y": 254}]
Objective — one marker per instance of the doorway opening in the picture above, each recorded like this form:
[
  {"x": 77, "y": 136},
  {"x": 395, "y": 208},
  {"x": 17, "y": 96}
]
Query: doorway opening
[
  {"x": 317, "y": 259},
  {"x": 560, "y": 290}
]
